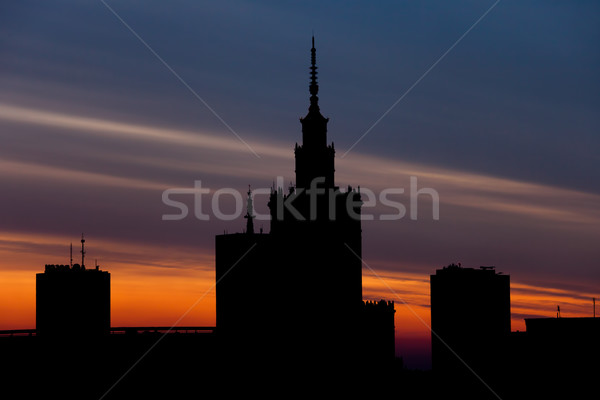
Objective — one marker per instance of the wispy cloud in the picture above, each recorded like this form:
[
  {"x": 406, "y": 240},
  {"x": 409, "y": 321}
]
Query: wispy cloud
[
  {"x": 89, "y": 125},
  {"x": 460, "y": 188},
  {"x": 25, "y": 171}
]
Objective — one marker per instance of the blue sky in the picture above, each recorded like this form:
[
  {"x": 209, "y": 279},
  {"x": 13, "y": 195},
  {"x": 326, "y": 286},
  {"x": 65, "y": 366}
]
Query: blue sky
[{"x": 516, "y": 97}]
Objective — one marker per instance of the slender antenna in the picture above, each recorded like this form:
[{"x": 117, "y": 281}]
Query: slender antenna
[
  {"x": 82, "y": 250},
  {"x": 314, "y": 86},
  {"x": 71, "y": 255}
]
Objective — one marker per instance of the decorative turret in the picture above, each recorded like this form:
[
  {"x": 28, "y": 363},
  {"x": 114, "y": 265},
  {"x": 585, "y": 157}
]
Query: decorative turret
[
  {"x": 82, "y": 251},
  {"x": 249, "y": 213}
]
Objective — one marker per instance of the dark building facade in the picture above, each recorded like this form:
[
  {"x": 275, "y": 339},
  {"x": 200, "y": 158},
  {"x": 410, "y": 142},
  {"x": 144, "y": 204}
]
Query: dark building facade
[
  {"x": 555, "y": 343},
  {"x": 74, "y": 353},
  {"x": 555, "y": 358},
  {"x": 72, "y": 301},
  {"x": 298, "y": 288},
  {"x": 470, "y": 320}
]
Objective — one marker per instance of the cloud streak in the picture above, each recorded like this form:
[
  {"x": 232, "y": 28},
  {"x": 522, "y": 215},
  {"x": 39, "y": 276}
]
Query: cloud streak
[{"x": 460, "y": 188}]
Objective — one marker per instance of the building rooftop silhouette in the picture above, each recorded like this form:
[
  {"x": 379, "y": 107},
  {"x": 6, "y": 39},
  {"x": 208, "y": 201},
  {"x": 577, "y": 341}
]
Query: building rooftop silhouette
[
  {"x": 72, "y": 301},
  {"x": 470, "y": 323}
]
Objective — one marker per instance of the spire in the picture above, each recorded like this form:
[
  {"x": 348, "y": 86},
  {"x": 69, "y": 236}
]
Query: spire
[
  {"x": 82, "y": 251},
  {"x": 314, "y": 124},
  {"x": 249, "y": 213},
  {"x": 314, "y": 87}
]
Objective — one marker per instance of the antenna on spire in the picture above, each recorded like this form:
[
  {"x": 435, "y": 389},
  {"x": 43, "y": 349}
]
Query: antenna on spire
[
  {"x": 82, "y": 251},
  {"x": 314, "y": 87},
  {"x": 71, "y": 252}
]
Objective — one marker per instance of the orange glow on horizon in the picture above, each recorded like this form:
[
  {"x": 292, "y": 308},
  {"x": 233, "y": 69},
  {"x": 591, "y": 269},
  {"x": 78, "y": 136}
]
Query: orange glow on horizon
[
  {"x": 154, "y": 295},
  {"x": 162, "y": 293},
  {"x": 163, "y": 301},
  {"x": 157, "y": 295}
]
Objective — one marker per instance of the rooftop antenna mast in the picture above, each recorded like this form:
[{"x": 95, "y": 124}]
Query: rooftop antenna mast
[
  {"x": 71, "y": 254},
  {"x": 82, "y": 250}
]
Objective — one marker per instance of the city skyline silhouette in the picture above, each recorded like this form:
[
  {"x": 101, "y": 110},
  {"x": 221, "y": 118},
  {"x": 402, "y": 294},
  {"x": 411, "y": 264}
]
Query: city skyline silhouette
[
  {"x": 89, "y": 146},
  {"x": 272, "y": 314}
]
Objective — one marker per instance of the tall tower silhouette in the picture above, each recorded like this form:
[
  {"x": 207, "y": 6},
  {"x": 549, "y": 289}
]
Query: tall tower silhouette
[{"x": 299, "y": 288}]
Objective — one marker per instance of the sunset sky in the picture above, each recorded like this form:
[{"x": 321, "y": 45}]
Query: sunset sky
[{"x": 104, "y": 105}]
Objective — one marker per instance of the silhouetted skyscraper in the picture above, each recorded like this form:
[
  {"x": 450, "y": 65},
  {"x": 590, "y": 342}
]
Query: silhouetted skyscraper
[
  {"x": 298, "y": 288},
  {"x": 470, "y": 318},
  {"x": 72, "y": 301}
]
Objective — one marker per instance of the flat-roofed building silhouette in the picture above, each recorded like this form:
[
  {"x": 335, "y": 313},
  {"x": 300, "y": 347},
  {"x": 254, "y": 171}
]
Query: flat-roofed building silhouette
[
  {"x": 470, "y": 319},
  {"x": 72, "y": 301}
]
